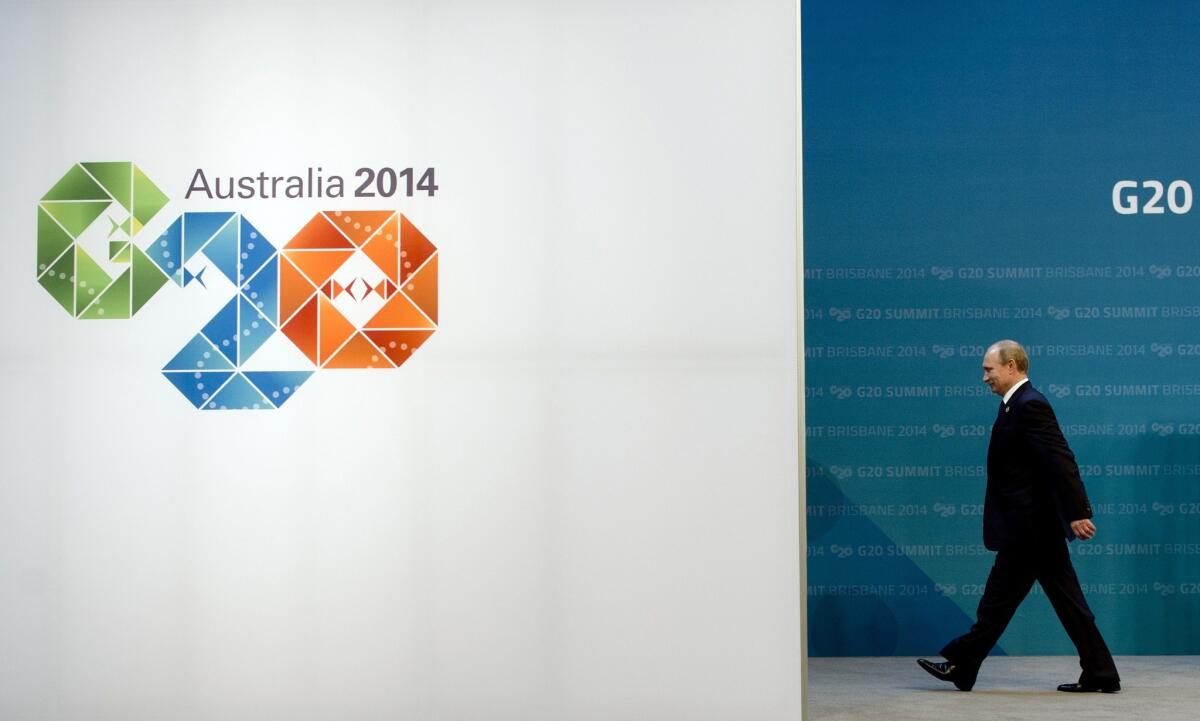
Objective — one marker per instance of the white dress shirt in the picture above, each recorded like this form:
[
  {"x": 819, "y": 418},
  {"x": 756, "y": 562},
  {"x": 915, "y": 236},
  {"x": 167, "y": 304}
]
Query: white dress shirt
[{"x": 1012, "y": 390}]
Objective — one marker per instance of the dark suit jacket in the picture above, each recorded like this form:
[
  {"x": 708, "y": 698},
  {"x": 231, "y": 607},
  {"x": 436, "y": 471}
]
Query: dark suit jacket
[{"x": 1033, "y": 486}]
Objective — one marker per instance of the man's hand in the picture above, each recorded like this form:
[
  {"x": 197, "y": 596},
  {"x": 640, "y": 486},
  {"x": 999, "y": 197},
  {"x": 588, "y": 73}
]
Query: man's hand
[{"x": 1083, "y": 529}]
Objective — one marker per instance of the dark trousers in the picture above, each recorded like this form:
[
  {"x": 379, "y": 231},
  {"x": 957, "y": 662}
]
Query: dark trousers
[{"x": 1011, "y": 579}]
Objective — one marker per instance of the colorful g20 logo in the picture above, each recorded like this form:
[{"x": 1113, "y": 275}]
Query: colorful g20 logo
[{"x": 351, "y": 289}]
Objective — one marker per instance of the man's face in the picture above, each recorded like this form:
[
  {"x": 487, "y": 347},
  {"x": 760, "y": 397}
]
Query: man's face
[{"x": 999, "y": 376}]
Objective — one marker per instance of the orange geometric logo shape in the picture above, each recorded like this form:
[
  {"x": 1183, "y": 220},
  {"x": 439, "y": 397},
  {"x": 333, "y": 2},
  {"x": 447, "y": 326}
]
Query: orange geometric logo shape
[{"x": 358, "y": 289}]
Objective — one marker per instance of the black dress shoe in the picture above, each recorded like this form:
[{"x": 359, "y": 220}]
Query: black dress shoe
[
  {"x": 1089, "y": 688},
  {"x": 962, "y": 678}
]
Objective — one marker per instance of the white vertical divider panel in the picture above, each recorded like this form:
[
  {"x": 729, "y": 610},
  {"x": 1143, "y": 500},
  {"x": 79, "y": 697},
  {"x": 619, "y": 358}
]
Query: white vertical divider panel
[{"x": 578, "y": 500}]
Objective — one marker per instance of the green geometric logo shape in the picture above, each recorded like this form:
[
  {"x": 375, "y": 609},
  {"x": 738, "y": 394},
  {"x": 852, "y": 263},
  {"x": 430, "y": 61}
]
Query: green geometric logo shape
[{"x": 70, "y": 236}]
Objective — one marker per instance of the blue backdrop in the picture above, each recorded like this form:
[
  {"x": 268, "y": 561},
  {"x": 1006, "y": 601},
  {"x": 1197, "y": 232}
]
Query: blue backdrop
[{"x": 960, "y": 161}]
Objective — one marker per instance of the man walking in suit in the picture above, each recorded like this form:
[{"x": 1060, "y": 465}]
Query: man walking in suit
[{"x": 1035, "y": 502}]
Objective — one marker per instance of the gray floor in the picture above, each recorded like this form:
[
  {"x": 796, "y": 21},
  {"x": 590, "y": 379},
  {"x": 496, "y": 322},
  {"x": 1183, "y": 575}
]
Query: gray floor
[{"x": 1016, "y": 688}]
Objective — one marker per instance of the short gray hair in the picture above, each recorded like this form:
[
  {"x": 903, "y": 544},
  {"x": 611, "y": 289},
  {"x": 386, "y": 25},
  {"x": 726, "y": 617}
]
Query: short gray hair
[{"x": 1010, "y": 350}]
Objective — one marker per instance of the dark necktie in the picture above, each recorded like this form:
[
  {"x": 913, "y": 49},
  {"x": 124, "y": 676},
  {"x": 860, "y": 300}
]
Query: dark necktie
[{"x": 992, "y": 437}]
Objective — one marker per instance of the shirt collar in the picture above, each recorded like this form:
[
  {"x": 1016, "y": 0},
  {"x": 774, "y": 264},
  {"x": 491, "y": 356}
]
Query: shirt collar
[{"x": 1008, "y": 396}]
